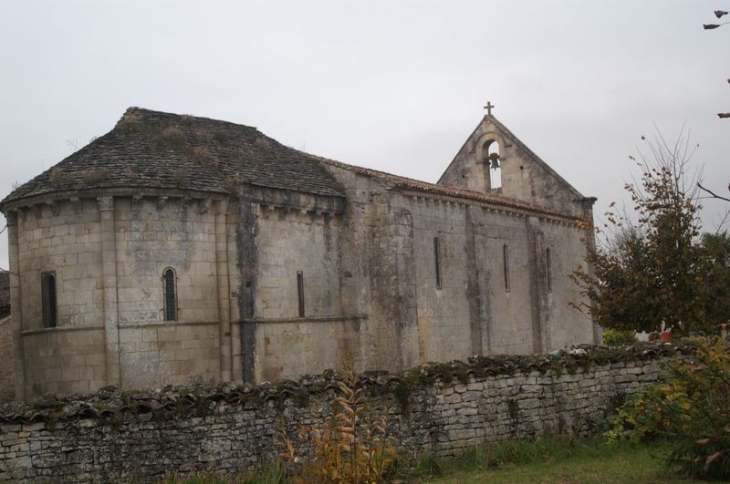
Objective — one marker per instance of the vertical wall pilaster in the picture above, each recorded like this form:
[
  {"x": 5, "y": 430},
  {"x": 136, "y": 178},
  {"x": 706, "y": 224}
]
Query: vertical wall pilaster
[
  {"x": 475, "y": 291},
  {"x": 234, "y": 277},
  {"x": 223, "y": 288},
  {"x": 590, "y": 237},
  {"x": 16, "y": 305},
  {"x": 247, "y": 261},
  {"x": 405, "y": 303},
  {"x": 109, "y": 277},
  {"x": 538, "y": 296}
]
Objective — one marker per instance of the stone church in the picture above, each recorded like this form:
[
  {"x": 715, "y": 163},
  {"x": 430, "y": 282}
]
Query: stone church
[{"x": 177, "y": 247}]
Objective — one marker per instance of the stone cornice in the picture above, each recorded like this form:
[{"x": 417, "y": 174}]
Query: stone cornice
[
  {"x": 52, "y": 198},
  {"x": 495, "y": 208},
  {"x": 308, "y": 319}
]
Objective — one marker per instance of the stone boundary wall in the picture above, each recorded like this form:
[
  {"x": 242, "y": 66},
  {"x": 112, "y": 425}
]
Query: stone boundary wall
[
  {"x": 7, "y": 373},
  {"x": 441, "y": 409}
]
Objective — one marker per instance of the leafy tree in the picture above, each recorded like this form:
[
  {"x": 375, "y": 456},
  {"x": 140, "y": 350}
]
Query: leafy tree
[
  {"x": 650, "y": 268},
  {"x": 716, "y": 248}
]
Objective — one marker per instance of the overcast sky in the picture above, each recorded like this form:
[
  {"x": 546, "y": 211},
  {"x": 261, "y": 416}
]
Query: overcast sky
[{"x": 393, "y": 85}]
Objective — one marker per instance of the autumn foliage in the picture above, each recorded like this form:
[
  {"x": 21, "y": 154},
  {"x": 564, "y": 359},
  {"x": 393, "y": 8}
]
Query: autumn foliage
[
  {"x": 352, "y": 447},
  {"x": 651, "y": 266},
  {"x": 691, "y": 411}
]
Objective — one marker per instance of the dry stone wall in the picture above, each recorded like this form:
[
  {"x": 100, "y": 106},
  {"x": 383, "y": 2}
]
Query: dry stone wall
[{"x": 441, "y": 409}]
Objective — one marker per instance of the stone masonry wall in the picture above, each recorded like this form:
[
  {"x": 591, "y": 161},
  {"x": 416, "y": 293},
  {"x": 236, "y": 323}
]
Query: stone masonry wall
[
  {"x": 7, "y": 375},
  {"x": 63, "y": 239},
  {"x": 64, "y": 360},
  {"x": 442, "y": 409},
  {"x": 108, "y": 255}
]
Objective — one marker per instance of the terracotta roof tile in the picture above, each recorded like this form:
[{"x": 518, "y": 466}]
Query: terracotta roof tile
[{"x": 417, "y": 185}]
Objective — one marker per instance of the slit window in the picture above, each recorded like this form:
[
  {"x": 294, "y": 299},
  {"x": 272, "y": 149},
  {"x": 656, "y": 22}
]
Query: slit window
[
  {"x": 548, "y": 270},
  {"x": 437, "y": 260},
  {"x": 505, "y": 260},
  {"x": 169, "y": 294},
  {"x": 300, "y": 292},
  {"x": 49, "y": 303}
]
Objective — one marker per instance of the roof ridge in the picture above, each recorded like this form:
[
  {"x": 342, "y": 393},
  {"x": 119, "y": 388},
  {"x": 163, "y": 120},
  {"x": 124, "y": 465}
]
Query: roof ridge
[
  {"x": 136, "y": 109},
  {"x": 415, "y": 184}
]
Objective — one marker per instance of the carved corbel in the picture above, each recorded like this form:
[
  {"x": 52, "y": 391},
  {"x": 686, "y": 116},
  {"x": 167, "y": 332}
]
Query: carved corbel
[
  {"x": 204, "y": 206},
  {"x": 220, "y": 207},
  {"x": 55, "y": 208},
  {"x": 105, "y": 203},
  {"x": 11, "y": 218},
  {"x": 77, "y": 205},
  {"x": 259, "y": 210}
]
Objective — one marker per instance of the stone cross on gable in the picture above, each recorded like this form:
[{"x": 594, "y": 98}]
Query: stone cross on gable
[{"x": 489, "y": 107}]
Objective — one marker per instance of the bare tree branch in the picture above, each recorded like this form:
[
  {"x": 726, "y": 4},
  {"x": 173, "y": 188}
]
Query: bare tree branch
[
  {"x": 723, "y": 220},
  {"x": 714, "y": 195}
]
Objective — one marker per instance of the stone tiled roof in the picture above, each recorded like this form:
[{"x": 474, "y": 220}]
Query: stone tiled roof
[
  {"x": 150, "y": 149},
  {"x": 4, "y": 292}
]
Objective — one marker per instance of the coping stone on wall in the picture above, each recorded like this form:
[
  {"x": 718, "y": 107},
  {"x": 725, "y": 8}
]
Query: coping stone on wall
[{"x": 442, "y": 408}]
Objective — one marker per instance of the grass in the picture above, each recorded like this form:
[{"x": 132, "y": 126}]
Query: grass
[
  {"x": 551, "y": 461},
  {"x": 546, "y": 461}
]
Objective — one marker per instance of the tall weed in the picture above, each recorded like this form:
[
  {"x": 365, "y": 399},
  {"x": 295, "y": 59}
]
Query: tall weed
[{"x": 352, "y": 446}]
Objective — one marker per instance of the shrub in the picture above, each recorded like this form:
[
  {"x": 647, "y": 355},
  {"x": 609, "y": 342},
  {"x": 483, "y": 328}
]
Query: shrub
[
  {"x": 173, "y": 138},
  {"x": 57, "y": 177},
  {"x": 200, "y": 154},
  {"x": 617, "y": 337},
  {"x": 95, "y": 176},
  {"x": 352, "y": 447},
  {"x": 691, "y": 410}
]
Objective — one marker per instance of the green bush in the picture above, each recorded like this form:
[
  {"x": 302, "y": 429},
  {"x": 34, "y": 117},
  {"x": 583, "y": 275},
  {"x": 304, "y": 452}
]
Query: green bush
[
  {"x": 691, "y": 410},
  {"x": 617, "y": 337}
]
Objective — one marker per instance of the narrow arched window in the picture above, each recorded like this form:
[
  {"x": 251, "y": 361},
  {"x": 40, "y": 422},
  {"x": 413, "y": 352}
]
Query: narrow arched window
[
  {"x": 48, "y": 300},
  {"x": 437, "y": 260},
  {"x": 505, "y": 261},
  {"x": 169, "y": 296},
  {"x": 549, "y": 269},
  {"x": 300, "y": 293}
]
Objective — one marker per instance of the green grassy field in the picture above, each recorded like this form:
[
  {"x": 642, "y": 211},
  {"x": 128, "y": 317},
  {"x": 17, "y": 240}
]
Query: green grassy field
[
  {"x": 547, "y": 461},
  {"x": 553, "y": 462}
]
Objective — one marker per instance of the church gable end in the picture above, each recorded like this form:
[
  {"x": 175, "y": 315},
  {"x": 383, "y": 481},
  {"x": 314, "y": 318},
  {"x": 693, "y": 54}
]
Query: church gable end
[{"x": 495, "y": 161}]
